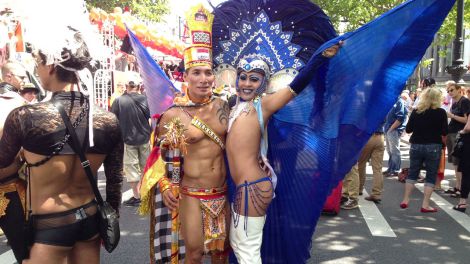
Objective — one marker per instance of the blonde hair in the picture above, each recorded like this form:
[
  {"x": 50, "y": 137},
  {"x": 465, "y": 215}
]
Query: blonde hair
[{"x": 430, "y": 98}]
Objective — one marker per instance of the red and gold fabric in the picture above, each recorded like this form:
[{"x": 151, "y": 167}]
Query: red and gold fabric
[
  {"x": 16, "y": 186},
  {"x": 213, "y": 203}
]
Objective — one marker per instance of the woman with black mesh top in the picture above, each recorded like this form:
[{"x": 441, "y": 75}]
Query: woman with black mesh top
[{"x": 64, "y": 211}]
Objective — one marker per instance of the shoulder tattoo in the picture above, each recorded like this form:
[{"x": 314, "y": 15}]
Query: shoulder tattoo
[{"x": 223, "y": 112}]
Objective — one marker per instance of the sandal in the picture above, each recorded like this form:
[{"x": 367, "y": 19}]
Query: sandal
[
  {"x": 451, "y": 190},
  {"x": 460, "y": 207},
  {"x": 456, "y": 194}
]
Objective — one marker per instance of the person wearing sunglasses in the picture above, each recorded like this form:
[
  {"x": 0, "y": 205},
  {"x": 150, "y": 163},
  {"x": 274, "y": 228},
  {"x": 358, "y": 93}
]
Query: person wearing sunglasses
[
  {"x": 13, "y": 76},
  {"x": 458, "y": 115}
]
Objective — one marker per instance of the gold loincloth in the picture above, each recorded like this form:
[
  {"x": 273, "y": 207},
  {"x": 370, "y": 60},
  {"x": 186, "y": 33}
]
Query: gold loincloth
[{"x": 213, "y": 206}]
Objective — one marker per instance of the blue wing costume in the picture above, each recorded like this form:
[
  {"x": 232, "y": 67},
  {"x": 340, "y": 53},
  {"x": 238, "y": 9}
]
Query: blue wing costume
[{"x": 315, "y": 139}]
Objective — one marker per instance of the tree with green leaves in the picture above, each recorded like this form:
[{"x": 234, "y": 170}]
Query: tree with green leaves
[
  {"x": 147, "y": 9},
  {"x": 351, "y": 14}
]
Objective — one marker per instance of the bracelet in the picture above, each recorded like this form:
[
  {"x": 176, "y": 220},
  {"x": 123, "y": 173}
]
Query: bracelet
[
  {"x": 292, "y": 91},
  {"x": 164, "y": 184}
]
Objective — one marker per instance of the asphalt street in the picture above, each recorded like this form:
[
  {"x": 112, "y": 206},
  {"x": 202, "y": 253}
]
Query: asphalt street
[{"x": 374, "y": 233}]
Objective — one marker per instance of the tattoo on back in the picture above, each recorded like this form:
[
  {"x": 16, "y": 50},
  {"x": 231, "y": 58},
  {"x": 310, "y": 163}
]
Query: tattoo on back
[{"x": 223, "y": 112}]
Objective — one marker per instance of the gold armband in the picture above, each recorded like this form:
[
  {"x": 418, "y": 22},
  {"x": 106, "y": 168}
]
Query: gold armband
[{"x": 164, "y": 184}]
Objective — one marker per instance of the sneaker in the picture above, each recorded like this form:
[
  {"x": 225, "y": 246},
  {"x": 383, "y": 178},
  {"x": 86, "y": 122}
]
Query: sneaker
[
  {"x": 373, "y": 199},
  {"x": 343, "y": 200},
  {"x": 132, "y": 201},
  {"x": 351, "y": 204}
]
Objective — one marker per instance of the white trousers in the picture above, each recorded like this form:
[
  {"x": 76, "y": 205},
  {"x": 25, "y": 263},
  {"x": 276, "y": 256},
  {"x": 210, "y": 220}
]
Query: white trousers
[{"x": 246, "y": 244}]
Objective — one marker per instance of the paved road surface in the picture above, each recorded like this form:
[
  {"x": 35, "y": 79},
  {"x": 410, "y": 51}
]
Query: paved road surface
[{"x": 381, "y": 233}]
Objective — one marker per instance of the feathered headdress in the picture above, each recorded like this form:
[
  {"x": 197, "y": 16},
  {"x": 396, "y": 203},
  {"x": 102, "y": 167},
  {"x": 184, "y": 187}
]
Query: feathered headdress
[
  {"x": 261, "y": 34},
  {"x": 53, "y": 26}
]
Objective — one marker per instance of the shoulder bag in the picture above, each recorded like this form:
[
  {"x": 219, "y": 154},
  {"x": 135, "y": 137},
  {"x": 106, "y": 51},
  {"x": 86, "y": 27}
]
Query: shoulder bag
[{"x": 458, "y": 147}]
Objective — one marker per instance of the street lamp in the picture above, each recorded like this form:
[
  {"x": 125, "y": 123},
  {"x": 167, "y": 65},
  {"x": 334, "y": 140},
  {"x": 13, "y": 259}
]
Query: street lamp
[{"x": 458, "y": 69}]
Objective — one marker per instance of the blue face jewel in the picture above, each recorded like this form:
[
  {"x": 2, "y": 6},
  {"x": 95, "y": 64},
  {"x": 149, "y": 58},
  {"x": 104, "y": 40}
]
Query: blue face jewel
[{"x": 247, "y": 67}]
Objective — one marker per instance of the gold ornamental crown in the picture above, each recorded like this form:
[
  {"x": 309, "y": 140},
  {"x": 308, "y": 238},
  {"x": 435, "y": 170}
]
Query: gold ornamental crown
[{"x": 199, "y": 52}]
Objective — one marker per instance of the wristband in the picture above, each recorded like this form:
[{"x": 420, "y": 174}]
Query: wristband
[{"x": 292, "y": 91}]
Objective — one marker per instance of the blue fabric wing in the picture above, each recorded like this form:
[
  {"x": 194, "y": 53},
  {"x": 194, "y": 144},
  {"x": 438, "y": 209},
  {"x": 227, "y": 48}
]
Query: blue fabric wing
[
  {"x": 159, "y": 89},
  {"x": 317, "y": 137}
]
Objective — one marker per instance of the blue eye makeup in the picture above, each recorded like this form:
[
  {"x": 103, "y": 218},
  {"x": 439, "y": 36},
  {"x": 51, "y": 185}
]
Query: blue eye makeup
[{"x": 243, "y": 77}]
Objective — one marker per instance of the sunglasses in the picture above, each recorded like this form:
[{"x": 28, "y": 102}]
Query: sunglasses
[{"x": 451, "y": 90}]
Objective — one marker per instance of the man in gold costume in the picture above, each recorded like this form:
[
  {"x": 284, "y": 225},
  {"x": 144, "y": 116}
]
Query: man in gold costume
[{"x": 186, "y": 171}]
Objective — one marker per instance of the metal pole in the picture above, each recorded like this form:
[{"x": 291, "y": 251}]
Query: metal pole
[{"x": 458, "y": 69}]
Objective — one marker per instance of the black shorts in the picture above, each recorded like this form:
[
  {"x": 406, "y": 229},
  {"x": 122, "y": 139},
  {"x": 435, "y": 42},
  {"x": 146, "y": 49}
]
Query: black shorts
[{"x": 66, "y": 228}]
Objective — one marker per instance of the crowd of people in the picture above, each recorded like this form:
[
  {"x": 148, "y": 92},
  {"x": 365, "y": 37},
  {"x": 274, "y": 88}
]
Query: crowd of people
[
  {"x": 179, "y": 171},
  {"x": 434, "y": 119}
]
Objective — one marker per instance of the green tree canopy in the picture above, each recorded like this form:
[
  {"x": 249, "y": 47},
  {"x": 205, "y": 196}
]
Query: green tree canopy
[
  {"x": 351, "y": 14},
  {"x": 147, "y": 9}
]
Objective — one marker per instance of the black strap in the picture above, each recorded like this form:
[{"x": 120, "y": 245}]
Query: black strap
[{"x": 78, "y": 149}]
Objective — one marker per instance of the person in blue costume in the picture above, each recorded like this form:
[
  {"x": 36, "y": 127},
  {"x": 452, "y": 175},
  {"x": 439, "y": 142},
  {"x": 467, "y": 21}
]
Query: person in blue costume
[
  {"x": 315, "y": 139},
  {"x": 254, "y": 178},
  {"x": 246, "y": 147}
]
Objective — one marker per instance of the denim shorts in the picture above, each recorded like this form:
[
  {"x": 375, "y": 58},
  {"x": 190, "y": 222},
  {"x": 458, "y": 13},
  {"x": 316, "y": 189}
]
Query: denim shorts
[{"x": 427, "y": 155}]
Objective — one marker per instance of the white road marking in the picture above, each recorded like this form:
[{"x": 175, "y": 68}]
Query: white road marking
[
  {"x": 375, "y": 221},
  {"x": 8, "y": 257},
  {"x": 461, "y": 218},
  {"x": 126, "y": 195}
]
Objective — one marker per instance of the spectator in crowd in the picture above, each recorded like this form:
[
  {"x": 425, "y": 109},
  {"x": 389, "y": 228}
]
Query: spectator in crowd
[
  {"x": 14, "y": 76},
  {"x": 428, "y": 82},
  {"x": 30, "y": 93},
  {"x": 406, "y": 98},
  {"x": 458, "y": 115},
  {"x": 168, "y": 72},
  {"x": 12, "y": 188},
  {"x": 413, "y": 96},
  {"x": 394, "y": 125},
  {"x": 373, "y": 151},
  {"x": 428, "y": 124},
  {"x": 134, "y": 116},
  {"x": 120, "y": 89},
  {"x": 464, "y": 167},
  {"x": 467, "y": 93},
  {"x": 350, "y": 193}
]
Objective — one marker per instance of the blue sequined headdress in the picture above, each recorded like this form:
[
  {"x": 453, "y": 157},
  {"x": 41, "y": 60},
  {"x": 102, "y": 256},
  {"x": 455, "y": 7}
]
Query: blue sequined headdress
[{"x": 274, "y": 37}]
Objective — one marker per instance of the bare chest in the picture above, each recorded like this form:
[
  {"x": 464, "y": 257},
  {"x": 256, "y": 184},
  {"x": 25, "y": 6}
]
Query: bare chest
[
  {"x": 245, "y": 131},
  {"x": 194, "y": 119}
]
